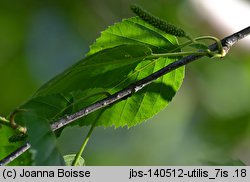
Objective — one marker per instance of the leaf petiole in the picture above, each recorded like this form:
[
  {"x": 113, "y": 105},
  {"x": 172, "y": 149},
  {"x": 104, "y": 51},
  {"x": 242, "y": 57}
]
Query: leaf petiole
[
  {"x": 221, "y": 52},
  {"x": 79, "y": 154}
]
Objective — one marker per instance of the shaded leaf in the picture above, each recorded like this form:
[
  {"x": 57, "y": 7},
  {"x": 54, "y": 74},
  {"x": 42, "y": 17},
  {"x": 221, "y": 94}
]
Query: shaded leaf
[
  {"x": 101, "y": 70},
  {"x": 43, "y": 141}
]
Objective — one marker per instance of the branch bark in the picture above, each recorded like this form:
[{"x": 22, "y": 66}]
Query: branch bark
[{"x": 227, "y": 43}]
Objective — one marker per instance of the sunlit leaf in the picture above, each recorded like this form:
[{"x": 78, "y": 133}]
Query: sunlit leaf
[
  {"x": 117, "y": 59},
  {"x": 134, "y": 31}
]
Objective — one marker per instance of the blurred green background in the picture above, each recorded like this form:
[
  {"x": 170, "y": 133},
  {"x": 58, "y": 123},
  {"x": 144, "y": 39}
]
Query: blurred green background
[{"x": 207, "y": 122}]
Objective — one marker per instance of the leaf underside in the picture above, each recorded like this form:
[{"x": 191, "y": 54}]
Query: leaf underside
[{"x": 117, "y": 59}]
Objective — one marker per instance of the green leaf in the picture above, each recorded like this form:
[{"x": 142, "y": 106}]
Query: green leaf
[
  {"x": 43, "y": 141},
  {"x": 101, "y": 70},
  {"x": 142, "y": 105},
  {"x": 45, "y": 106},
  {"x": 134, "y": 31},
  {"x": 117, "y": 59},
  {"x": 70, "y": 158}
]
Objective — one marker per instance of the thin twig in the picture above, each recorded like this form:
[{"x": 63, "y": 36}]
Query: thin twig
[
  {"x": 15, "y": 154},
  {"x": 133, "y": 88}
]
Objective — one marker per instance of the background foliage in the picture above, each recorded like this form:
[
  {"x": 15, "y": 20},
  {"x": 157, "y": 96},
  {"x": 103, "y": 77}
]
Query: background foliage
[{"x": 206, "y": 123}]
